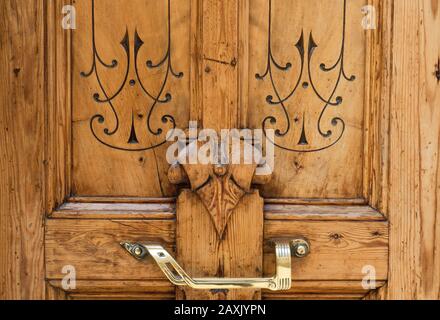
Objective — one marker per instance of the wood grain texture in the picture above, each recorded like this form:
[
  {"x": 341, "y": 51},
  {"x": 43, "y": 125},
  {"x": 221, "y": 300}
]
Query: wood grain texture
[
  {"x": 377, "y": 107},
  {"x": 222, "y": 53},
  {"x": 394, "y": 149},
  {"x": 336, "y": 172},
  {"x": 21, "y": 150},
  {"x": 219, "y": 51},
  {"x": 321, "y": 213},
  {"x": 93, "y": 248},
  {"x": 58, "y": 107},
  {"x": 196, "y": 67},
  {"x": 339, "y": 249},
  {"x": 54, "y": 293},
  {"x": 98, "y": 170},
  {"x": 126, "y": 200},
  {"x": 243, "y": 63},
  {"x": 317, "y": 201},
  {"x": 114, "y": 290},
  {"x": 414, "y": 210},
  {"x": 151, "y": 211},
  {"x": 202, "y": 254},
  {"x": 322, "y": 290},
  {"x": 121, "y": 296}
]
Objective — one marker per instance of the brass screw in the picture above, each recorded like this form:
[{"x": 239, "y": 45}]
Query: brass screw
[
  {"x": 138, "y": 251},
  {"x": 300, "y": 248}
]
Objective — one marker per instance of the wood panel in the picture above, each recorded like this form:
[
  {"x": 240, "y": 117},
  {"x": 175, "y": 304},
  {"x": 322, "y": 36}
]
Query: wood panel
[
  {"x": 321, "y": 290},
  {"x": 151, "y": 211},
  {"x": 414, "y": 152},
  {"x": 93, "y": 248},
  {"x": 142, "y": 173},
  {"x": 21, "y": 150},
  {"x": 339, "y": 249},
  {"x": 115, "y": 290},
  {"x": 322, "y": 213},
  {"x": 219, "y": 51},
  {"x": 336, "y": 172},
  {"x": 121, "y": 296},
  {"x": 158, "y": 290}
]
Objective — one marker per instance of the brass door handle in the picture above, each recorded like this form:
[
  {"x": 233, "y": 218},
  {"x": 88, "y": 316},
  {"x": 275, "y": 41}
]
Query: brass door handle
[{"x": 177, "y": 275}]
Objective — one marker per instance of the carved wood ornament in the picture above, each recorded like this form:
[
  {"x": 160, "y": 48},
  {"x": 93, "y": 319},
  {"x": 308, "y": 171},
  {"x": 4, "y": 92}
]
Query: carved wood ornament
[{"x": 220, "y": 187}]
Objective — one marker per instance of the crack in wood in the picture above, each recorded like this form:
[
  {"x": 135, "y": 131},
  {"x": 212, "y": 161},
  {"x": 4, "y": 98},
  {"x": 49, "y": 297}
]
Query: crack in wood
[{"x": 232, "y": 63}]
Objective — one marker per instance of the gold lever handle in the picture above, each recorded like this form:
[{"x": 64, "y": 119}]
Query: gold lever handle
[{"x": 281, "y": 281}]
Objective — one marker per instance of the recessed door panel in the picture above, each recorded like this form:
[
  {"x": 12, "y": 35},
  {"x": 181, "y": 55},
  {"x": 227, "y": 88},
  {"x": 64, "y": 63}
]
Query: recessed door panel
[
  {"x": 131, "y": 71},
  {"x": 306, "y": 83}
]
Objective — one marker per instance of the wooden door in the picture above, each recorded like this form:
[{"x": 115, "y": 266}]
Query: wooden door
[{"x": 315, "y": 73}]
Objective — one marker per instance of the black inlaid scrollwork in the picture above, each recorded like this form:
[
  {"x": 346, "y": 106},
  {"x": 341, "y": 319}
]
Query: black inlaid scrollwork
[
  {"x": 437, "y": 71},
  {"x": 306, "y": 67},
  {"x": 104, "y": 97}
]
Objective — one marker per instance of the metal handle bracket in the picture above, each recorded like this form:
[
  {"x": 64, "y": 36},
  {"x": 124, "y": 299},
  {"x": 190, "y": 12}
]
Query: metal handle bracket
[{"x": 177, "y": 275}]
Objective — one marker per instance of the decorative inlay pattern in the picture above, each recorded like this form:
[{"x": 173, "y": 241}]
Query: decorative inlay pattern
[
  {"x": 437, "y": 71},
  {"x": 104, "y": 97},
  {"x": 276, "y": 99}
]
